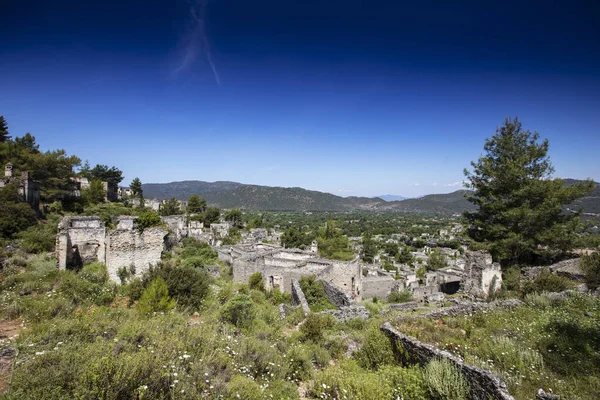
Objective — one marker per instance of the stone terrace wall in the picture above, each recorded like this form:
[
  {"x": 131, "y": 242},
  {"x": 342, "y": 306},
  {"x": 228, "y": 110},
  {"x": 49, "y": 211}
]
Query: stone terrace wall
[
  {"x": 483, "y": 384},
  {"x": 298, "y": 297}
]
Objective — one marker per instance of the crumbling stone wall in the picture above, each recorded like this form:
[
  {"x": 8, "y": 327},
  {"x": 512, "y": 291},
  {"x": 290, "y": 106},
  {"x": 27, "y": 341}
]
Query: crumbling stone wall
[
  {"x": 379, "y": 286},
  {"x": 419, "y": 293},
  {"x": 298, "y": 297},
  {"x": 280, "y": 267},
  {"x": 481, "y": 274},
  {"x": 336, "y": 295},
  {"x": 483, "y": 384},
  {"x": 85, "y": 239},
  {"x": 79, "y": 240},
  {"x": 127, "y": 247}
]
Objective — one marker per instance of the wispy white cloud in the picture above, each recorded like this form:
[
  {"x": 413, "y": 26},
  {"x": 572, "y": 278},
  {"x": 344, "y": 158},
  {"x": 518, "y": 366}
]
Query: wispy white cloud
[
  {"x": 454, "y": 184},
  {"x": 195, "y": 42}
]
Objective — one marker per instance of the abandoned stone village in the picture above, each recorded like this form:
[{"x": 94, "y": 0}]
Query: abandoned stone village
[
  {"x": 87, "y": 239},
  {"x": 472, "y": 274}
]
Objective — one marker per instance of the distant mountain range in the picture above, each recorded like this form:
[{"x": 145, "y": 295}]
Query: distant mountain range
[
  {"x": 266, "y": 198},
  {"x": 254, "y": 197},
  {"x": 392, "y": 197}
]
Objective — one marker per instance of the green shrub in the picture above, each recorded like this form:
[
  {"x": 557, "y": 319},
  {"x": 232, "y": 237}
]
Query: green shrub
[
  {"x": 403, "y": 296},
  {"x": 188, "y": 287},
  {"x": 16, "y": 262},
  {"x": 256, "y": 281},
  {"x": 242, "y": 387},
  {"x": 80, "y": 291},
  {"x": 376, "y": 350},
  {"x": 374, "y": 308},
  {"x": 195, "y": 248},
  {"x": 319, "y": 355},
  {"x": 299, "y": 363},
  {"x": 239, "y": 311},
  {"x": 445, "y": 381},
  {"x": 314, "y": 326},
  {"x": 546, "y": 281},
  {"x": 347, "y": 380},
  {"x": 436, "y": 261},
  {"x": 40, "y": 238},
  {"x": 538, "y": 300},
  {"x": 94, "y": 272},
  {"x": 314, "y": 291},
  {"x": 282, "y": 390},
  {"x": 15, "y": 217},
  {"x": 510, "y": 355},
  {"x": 155, "y": 298},
  {"x": 590, "y": 266},
  {"x": 148, "y": 219},
  {"x": 511, "y": 279},
  {"x": 123, "y": 273},
  {"x": 278, "y": 297},
  {"x": 225, "y": 293}
]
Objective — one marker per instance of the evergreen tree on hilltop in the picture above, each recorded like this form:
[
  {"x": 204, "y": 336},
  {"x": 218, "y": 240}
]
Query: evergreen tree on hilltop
[
  {"x": 136, "y": 187},
  {"x": 4, "y": 136},
  {"x": 519, "y": 211}
]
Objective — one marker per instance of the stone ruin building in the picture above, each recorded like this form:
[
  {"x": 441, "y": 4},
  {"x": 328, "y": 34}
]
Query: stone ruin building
[
  {"x": 279, "y": 267},
  {"x": 86, "y": 239},
  {"x": 475, "y": 274},
  {"x": 29, "y": 190},
  {"x": 111, "y": 190}
]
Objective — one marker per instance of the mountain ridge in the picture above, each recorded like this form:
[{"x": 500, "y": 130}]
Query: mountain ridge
[{"x": 227, "y": 194}]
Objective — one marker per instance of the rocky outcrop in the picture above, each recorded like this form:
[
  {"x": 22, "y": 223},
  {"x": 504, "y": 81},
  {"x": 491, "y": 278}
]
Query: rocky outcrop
[
  {"x": 483, "y": 385},
  {"x": 541, "y": 395},
  {"x": 567, "y": 268}
]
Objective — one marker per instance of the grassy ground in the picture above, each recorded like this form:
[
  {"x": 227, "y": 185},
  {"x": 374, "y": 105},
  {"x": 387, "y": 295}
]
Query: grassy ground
[
  {"x": 547, "y": 343},
  {"x": 84, "y": 338}
]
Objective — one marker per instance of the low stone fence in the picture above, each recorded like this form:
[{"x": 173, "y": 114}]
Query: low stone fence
[
  {"x": 298, "y": 297},
  {"x": 483, "y": 384},
  {"x": 346, "y": 313},
  {"x": 466, "y": 308}
]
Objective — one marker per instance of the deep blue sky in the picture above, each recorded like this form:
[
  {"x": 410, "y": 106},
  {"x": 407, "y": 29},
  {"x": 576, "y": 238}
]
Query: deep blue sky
[{"x": 350, "y": 97}]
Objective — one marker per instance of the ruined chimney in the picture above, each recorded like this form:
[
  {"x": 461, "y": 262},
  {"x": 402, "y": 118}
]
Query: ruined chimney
[{"x": 8, "y": 171}]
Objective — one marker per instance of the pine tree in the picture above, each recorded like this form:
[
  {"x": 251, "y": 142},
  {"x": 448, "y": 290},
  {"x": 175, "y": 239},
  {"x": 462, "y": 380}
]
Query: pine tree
[
  {"x": 196, "y": 204},
  {"x": 136, "y": 187},
  {"x": 520, "y": 213},
  {"x": 4, "y": 136}
]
